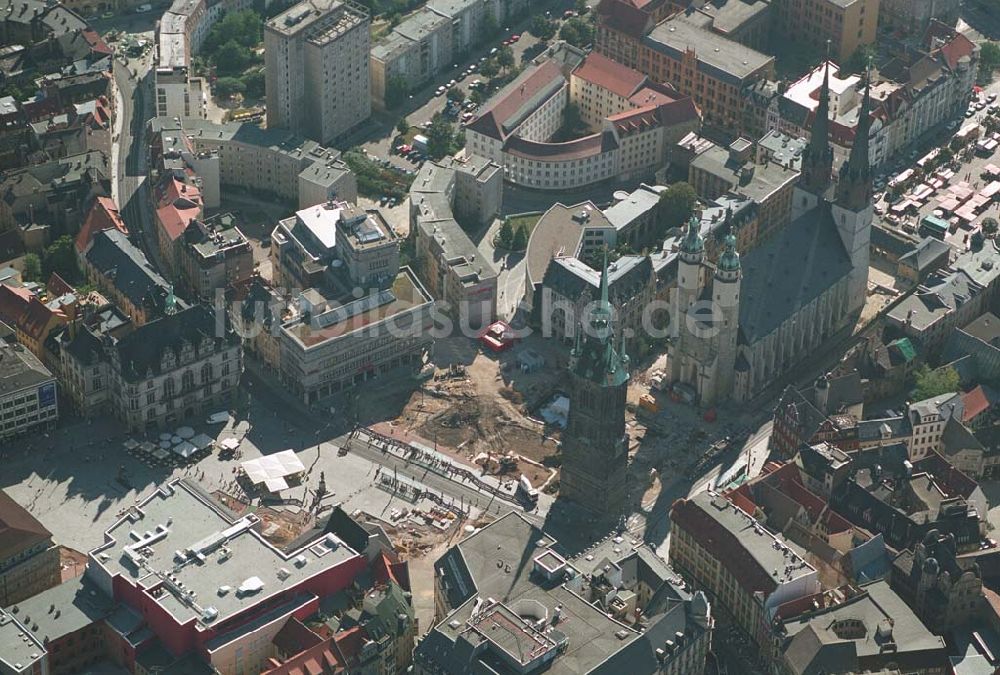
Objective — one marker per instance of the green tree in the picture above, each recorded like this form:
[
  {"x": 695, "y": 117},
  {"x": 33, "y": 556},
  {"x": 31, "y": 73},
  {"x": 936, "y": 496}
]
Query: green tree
[
  {"x": 989, "y": 60},
  {"x": 858, "y": 61},
  {"x": 489, "y": 68},
  {"x": 990, "y": 226},
  {"x": 505, "y": 58},
  {"x": 488, "y": 29},
  {"x": 440, "y": 137},
  {"x": 930, "y": 383},
  {"x": 403, "y": 125},
  {"x": 520, "y": 241},
  {"x": 396, "y": 91},
  {"x": 245, "y": 27},
  {"x": 676, "y": 205},
  {"x": 253, "y": 84},
  {"x": 505, "y": 237},
  {"x": 231, "y": 58},
  {"x": 226, "y": 87},
  {"x": 542, "y": 27},
  {"x": 60, "y": 257},
  {"x": 454, "y": 94},
  {"x": 32, "y": 267},
  {"x": 572, "y": 121},
  {"x": 577, "y": 32},
  {"x": 477, "y": 96}
]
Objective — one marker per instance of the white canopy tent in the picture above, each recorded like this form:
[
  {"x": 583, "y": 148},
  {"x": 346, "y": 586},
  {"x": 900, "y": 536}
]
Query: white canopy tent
[{"x": 272, "y": 470}]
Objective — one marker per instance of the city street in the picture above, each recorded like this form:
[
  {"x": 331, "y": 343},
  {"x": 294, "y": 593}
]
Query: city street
[{"x": 134, "y": 83}]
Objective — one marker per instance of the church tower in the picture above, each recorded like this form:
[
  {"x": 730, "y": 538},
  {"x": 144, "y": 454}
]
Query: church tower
[
  {"x": 595, "y": 451},
  {"x": 853, "y": 210},
  {"x": 690, "y": 267},
  {"x": 726, "y": 294},
  {"x": 817, "y": 159}
]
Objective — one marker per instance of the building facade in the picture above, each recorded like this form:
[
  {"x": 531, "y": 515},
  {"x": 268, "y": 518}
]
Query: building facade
[
  {"x": 684, "y": 50},
  {"x": 271, "y": 161},
  {"x": 316, "y": 57},
  {"x": 29, "y": 559},
  {"x": 632, "y": 124},
  {"x": 449, "y": 262},
  {"x": 28, "y": 398},
  {"x": 175, "y": 368},
  {"x": 846, "y": 24},
  {"x": 746, "y": 571}
]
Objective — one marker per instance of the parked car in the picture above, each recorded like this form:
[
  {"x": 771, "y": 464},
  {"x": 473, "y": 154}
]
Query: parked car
[{"x": 440, "y": 90}]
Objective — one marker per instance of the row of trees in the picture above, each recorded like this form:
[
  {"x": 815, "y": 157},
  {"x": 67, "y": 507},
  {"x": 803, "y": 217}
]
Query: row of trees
[
  {"x": 512, "y": 239},
  {"x": 59, "y": 257}
]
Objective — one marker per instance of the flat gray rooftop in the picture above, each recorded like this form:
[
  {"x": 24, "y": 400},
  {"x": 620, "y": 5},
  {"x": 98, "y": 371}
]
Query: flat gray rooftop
[
  {"x": 176, "y": 519},
  {"x": 77, "y": 604},
  {"x": 19, "y": 647},
  {"x": 498, "y": 561},
  {"x": 718, "y": 56}
]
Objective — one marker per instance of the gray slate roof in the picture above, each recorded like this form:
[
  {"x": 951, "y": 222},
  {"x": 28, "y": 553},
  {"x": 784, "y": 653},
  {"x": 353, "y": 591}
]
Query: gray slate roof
[{"x": 790, "y": 270}]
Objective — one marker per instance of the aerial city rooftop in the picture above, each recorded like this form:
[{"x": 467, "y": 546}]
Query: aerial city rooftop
[{"x": 624, "y": 337}]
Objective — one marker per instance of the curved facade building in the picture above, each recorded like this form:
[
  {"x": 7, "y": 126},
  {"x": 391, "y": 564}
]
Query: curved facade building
[{"x": 631, "y": 123}]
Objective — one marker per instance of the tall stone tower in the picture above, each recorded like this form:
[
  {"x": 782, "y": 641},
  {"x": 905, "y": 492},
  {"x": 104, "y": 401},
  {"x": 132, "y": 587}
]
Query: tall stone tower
[
  {"x": 817, "y": 159},
  {"x": 726, "y": 288},
  {"x": 853, "y": 210},
  {"x": 595, "y": 452},
  {"x": 690, "y": 267}
]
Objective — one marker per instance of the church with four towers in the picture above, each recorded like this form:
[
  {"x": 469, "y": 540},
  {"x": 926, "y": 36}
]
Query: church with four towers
[{"x": 744, "y": 322}]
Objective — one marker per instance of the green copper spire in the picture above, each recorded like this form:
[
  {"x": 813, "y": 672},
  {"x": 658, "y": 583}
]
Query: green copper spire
[
  {"x": 596, "y": 355},
  {"x": 729, "y": 261},
  {"x": 600, "y": 315},
  {"x": 692, "y": 242},
  {"x": 170, "y": 304}
]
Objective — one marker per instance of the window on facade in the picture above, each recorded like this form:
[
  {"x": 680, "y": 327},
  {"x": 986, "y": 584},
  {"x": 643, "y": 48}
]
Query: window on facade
[{"x": 168, "y": 388}]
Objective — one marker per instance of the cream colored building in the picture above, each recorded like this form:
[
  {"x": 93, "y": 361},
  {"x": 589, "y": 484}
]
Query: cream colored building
[
  {"x": 316, "y": 57},
  {"x": 272, "y": 161}
]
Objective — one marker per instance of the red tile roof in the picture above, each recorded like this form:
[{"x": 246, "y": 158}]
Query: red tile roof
[
  {"x": 57, "y": 286},
  {"x": 611, "y": 75},
  {"x": 494, "y": 120},
  {"x": 180, "y": 203},
  {"x": 36, "y": 318},
  {"x": 653, "y": 94},
  {"x": 13, "y": 301},
  {"x": 579, "y": 148},
  {"x": 384, "y": 571},
  {"x": 95, "y": 41},
  {"x": 956, "y": 45},
  {"x": 103, "y": 215},
  {"x": 974, "y": 403},
  {"x": 19, "y": 530},
  {"x": 623, "y": 17}
]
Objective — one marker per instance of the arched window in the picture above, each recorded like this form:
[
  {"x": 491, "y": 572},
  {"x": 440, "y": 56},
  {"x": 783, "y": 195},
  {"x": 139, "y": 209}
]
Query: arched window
[
  {"x": 168, "y": 388},
  {"x": 206, "y": 373},
  {"x": 187, "y": 380}
]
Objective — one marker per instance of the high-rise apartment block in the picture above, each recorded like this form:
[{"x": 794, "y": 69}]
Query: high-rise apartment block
[{"x": 316, "y": 55}]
